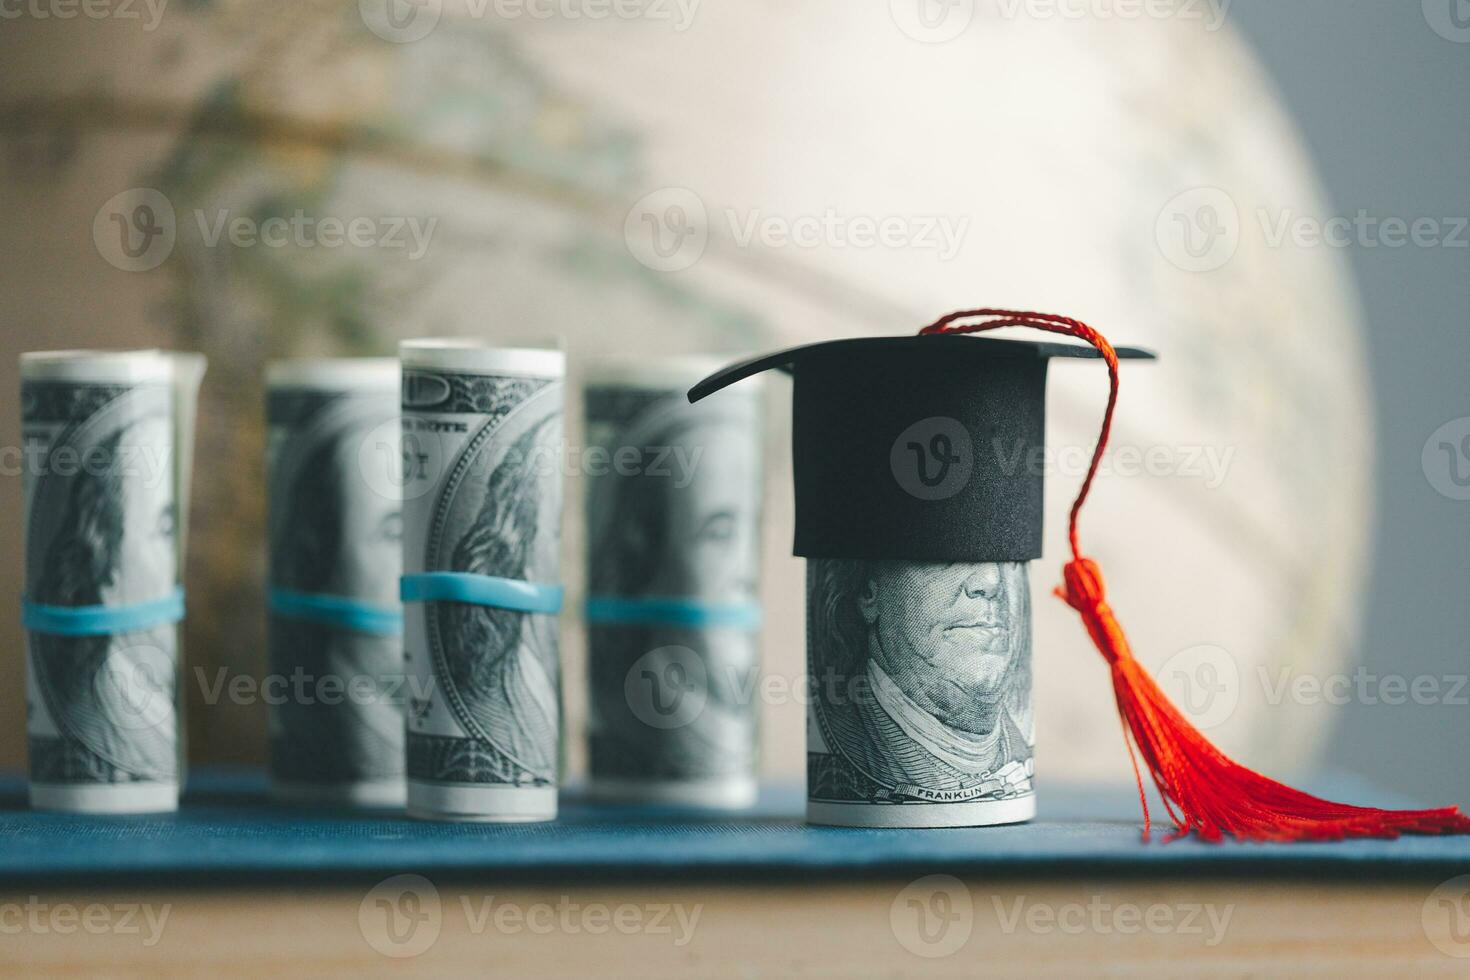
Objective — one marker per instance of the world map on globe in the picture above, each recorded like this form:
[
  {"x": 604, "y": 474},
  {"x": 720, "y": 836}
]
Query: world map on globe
[{"x": 272, "y": 179}]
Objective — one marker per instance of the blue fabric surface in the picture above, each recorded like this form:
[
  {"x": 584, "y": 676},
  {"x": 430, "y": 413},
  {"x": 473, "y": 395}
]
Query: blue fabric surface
[{"x": 227, "y": 830}]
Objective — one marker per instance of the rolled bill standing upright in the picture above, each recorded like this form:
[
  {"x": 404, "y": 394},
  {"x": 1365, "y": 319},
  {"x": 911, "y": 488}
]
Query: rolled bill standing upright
[
  {"x": 336, "y": 551},
  {"x": 673, "y": 615},
  {"x": 108, "y": 451},
  {"x": 482, "y": 448},
  {"x": 918, "y": 507}
]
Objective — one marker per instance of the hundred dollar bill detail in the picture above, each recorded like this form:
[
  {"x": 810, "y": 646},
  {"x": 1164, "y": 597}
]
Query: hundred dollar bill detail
[
  {"x": 673, "y": 523},
  {"x": 482, "y": 443},
  {"x": 920, "y": 676},
  {"x": 108, "y": 445},
  {"x": 336, "y": 628}
]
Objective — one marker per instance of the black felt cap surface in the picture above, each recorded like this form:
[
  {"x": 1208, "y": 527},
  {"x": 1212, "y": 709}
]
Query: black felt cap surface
[{"x": 917, "y": 448}]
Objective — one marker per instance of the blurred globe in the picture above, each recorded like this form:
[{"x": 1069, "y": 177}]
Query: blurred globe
[{"x": 263, "y": 179}]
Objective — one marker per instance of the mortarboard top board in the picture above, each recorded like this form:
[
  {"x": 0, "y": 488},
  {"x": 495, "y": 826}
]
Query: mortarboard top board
[{"x": 917, "y": 448}]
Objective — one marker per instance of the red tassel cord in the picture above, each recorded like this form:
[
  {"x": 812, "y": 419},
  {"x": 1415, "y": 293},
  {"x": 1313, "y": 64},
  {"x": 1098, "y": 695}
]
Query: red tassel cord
[{"x": 1205, "y": 792}]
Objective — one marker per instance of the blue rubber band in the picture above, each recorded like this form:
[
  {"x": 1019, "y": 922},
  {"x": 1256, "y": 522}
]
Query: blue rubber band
[
  {"x": 667, "y": 611},
  {"x": 103, "y": 620},
  {"x": 337, "y": 612},
  {"x": 481, "y": 590}
]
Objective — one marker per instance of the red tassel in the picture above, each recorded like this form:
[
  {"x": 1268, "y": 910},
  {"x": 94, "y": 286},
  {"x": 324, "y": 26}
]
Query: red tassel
[{"x": 1206, "y": 792}]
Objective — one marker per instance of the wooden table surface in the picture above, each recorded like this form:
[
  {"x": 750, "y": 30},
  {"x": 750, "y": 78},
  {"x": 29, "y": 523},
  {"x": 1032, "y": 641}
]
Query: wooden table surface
[{"x": 936, "y": 926}]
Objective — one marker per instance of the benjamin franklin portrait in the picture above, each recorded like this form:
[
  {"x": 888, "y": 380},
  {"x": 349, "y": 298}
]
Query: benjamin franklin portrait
[
  {"x": 112, "y": 698},
  {"x": 685, "y": 523},
  {"x": 334, "y": 535},
  {"x": 921, "y": 676},
  {"x": 505, "y": 669}
]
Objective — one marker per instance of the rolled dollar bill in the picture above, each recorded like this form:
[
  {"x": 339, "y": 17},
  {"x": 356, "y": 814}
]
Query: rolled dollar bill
[
  {"x": 482, "y": 494},
  {"x": 336, "y": 550},
  {"x": 108, "y": 451},
  {"x": 920, "y": 676},
  {"x": 673, "y": 615}
]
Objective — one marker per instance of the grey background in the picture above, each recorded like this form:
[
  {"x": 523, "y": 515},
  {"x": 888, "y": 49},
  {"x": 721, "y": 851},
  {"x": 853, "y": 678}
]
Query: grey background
[{"x": 1384, "y": 104}]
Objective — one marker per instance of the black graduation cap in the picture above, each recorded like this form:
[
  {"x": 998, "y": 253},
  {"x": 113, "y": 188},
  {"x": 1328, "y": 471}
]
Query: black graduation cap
[{"x": 901, "y": 443}]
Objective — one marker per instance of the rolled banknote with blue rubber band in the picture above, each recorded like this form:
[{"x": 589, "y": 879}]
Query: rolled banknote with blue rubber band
[
  {"x": 108, "y": 450},
  {"x": 673, "y": 612},
  {"x": 482, "y": 493},
  {"x": 336, "y": 626}
]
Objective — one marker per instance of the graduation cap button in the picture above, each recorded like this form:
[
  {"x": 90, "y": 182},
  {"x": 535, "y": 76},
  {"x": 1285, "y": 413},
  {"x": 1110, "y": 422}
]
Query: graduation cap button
[{"x": 899, "y": 443}]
